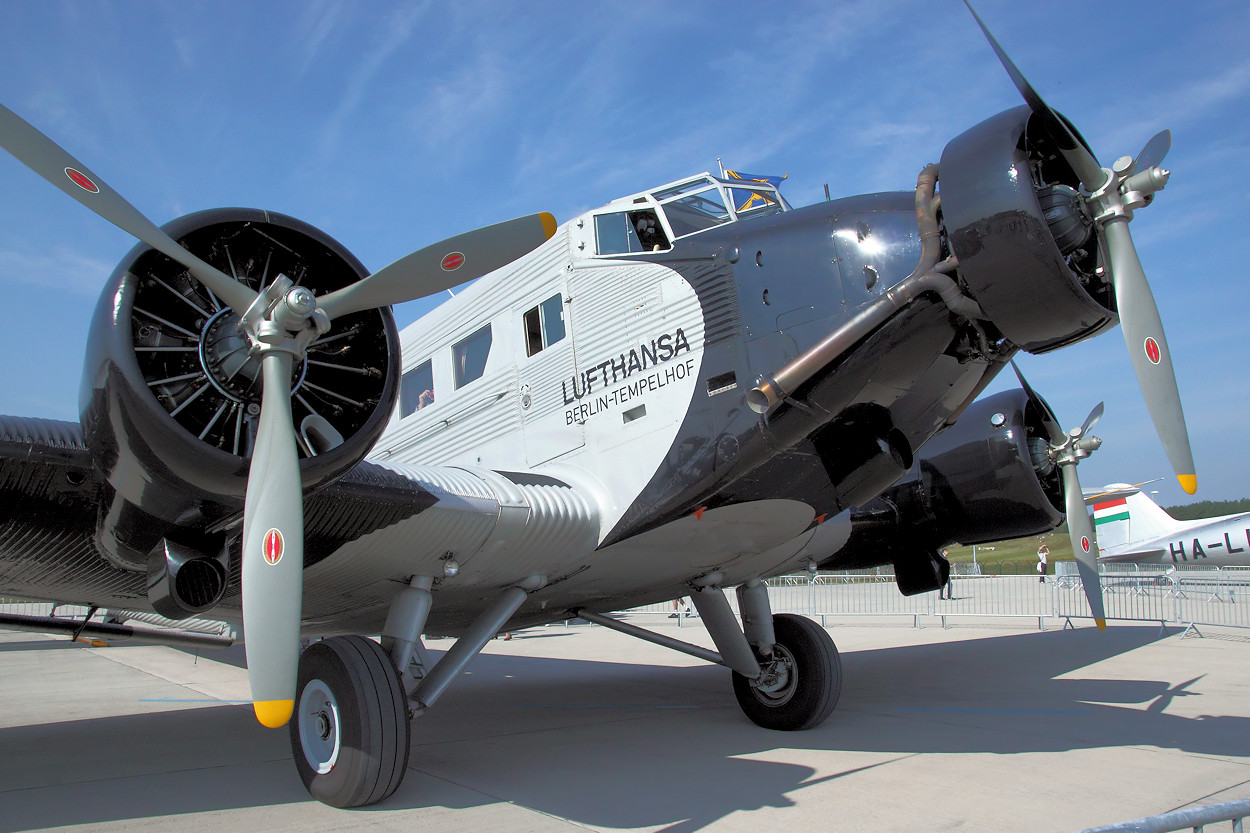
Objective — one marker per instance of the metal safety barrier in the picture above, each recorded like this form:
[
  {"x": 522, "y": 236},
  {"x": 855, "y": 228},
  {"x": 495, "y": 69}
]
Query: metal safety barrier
[
  {"x": 1192, "y": 818},
  {"x": 1184, "y": 595}
]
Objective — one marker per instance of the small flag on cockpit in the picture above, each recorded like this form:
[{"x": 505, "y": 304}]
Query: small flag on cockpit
[
  {"x": 745, "y": 200},
  {"x": 774, "y": 181}
]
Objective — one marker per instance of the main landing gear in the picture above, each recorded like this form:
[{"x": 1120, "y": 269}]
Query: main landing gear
[
  {"x": 351, "y": 730},
  {"x": 787, "y": 674}
]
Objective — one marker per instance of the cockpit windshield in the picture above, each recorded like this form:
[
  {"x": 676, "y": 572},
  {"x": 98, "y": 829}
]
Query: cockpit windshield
[
  {"x": 696, "y": 212},
  {"x": 650, "y": 221}
]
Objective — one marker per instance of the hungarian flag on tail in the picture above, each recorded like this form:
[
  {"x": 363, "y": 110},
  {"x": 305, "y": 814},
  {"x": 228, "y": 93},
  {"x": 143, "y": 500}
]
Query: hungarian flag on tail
[{"x": 1111, "y": 510}]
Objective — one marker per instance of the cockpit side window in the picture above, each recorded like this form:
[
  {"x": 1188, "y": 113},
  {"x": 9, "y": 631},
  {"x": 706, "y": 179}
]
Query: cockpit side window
[{"x": 627, "y": 232}]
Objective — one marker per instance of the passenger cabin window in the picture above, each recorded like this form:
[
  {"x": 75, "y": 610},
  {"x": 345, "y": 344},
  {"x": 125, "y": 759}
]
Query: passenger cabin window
[
  {"x": 544, "y": 324},
  {"x": 469, "y": 356},
  {"x": 416, "y": 389},
  {"x": 626, "y": 232}
]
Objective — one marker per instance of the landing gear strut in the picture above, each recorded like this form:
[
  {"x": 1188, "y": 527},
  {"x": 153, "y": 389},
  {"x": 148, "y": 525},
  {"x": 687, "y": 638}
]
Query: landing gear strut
[
  {"x": 351, "y": 729},
  {"x": 787, "y": 674}
]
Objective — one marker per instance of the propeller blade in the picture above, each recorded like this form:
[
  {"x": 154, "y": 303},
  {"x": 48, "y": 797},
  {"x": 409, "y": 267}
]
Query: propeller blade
[
  {"x": 273, "y": 551},
  {"x": 1091, "y": 420},
  {"x": 441, "y": 266},
  {"x": 48, "y": 159},
  {"x": 1154, "y": 151},
  {"x": 1077, "y": 155},
  {"x": 1083, "y": 545},
  {"x": 1148, "y": 349},
  {"x": 1054, "y": 430}
]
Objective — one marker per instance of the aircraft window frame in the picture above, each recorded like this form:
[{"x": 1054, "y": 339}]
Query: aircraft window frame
[
  {"x": 470, "y": 355},
  {"x": 416, "y": 388},
  {"x": 625, "y": 238},
  {"x": 688, "y": 187},
  {"x": 771, "y": 198},
  {"x": 691, "y": 211},
  {"x": 544, "y": 324}
]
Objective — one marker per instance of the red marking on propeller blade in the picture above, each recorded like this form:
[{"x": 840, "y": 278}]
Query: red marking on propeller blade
[
  {"x": 1084, "y": 543},
  {"x": 273, "y": 546},
  {"x": 820, "y": 519},
  {"x": 1152, "y": 351},
  {"x": 82, "y": 180},
  {"x": 698, "y": 513},
  {"x": 453, "y": 261}
]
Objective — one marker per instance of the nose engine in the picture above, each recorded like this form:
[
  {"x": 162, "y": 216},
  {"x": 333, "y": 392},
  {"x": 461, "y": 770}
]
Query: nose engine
[
  {"x": 1025, "y": 243},
  {"x": 171, "y": 395}
]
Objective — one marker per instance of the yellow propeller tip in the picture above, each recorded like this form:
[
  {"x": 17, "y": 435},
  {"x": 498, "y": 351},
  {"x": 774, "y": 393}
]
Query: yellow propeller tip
[
  {"x": 549, "y": 223},
  {"x": 273, "y": 713},
  {"x": 1189, "y": 482},
  {"x": 1101, "y": 623}
]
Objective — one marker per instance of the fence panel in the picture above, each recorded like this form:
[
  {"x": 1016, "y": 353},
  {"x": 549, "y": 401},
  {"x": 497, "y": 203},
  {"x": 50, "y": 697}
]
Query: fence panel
[{"x": 1184, "y": 595}]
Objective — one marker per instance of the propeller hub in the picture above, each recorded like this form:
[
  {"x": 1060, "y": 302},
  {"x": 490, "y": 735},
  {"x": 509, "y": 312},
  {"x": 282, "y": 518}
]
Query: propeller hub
[{"x": 228, "y": 360}]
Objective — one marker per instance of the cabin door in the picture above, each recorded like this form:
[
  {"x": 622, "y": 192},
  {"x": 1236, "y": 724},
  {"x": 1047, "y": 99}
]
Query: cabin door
[{"x": 547, "y": 368}]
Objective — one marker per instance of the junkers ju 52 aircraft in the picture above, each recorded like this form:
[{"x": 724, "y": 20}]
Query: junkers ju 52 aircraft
[{"x": 687, "y": 390}]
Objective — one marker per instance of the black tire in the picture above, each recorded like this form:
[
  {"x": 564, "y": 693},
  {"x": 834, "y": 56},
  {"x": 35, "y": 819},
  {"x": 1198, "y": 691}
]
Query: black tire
[
  {"x": 350, "y": 732},
  {"x": 808, "y": 684}
]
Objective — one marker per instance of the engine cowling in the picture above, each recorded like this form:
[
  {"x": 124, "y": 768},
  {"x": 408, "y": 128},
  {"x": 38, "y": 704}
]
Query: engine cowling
[
  {"x": 170, "y": 393},
  {"x": 986, "y": 478},
  {"x": 1027, "y": 251}
]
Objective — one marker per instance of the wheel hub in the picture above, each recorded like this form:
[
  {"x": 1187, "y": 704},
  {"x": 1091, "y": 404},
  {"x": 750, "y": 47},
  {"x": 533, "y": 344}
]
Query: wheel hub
[
  {"x": 779, "y": 679},
  {"x": 319, "y": 726}
]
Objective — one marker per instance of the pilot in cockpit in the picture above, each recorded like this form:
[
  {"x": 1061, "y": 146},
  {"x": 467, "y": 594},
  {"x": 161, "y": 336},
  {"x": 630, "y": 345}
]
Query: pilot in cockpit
[{"x": 650, "y": 234}]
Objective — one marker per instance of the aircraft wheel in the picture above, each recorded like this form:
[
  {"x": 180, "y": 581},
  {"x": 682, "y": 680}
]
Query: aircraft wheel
[
  {"x": 801, "y": 686},
  {"x": 350, "y": 732}
]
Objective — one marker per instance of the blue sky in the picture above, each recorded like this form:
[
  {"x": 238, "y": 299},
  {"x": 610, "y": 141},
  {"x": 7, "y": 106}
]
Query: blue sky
[{"x": 391, "y": 126}]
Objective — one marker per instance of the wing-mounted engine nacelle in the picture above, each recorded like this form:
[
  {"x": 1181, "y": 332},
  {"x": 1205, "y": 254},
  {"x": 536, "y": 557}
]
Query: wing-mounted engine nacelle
[
  {"x": 171, "y": 391},
  {"x": 986, "y": 478},
  {"x": 1028, "y": 252}
]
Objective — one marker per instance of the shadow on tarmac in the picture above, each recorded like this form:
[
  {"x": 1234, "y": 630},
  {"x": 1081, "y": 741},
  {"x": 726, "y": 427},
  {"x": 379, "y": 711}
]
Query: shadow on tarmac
[{"x": 626, "y": 746}]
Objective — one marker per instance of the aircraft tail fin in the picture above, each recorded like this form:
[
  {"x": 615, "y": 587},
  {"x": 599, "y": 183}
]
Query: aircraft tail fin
[{"x": 1125, "y": 514}]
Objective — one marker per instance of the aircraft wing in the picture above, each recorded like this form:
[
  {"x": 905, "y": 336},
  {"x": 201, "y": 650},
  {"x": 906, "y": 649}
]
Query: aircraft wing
[{"x": 367, "y": 533}]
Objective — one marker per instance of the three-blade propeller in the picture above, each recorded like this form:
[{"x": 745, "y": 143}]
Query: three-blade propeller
[
  {"x": 1111, "y": 195},
  {"x": 1067, "y": 449},
  {"x": 280, "y": 322}
]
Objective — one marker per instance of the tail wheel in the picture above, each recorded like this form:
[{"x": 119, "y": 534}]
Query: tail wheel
[
  {"x": 802, "y": 683},
  {"x": 351, "y": 733}
]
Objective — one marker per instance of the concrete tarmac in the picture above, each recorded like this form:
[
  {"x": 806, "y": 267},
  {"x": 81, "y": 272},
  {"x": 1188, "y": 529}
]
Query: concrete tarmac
[{"x": 989, "y": 726}]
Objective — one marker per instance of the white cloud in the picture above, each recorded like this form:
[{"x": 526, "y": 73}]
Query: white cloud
[
  {"x": 397, "y": 28},
  {"x": 60, "y": 268}
]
